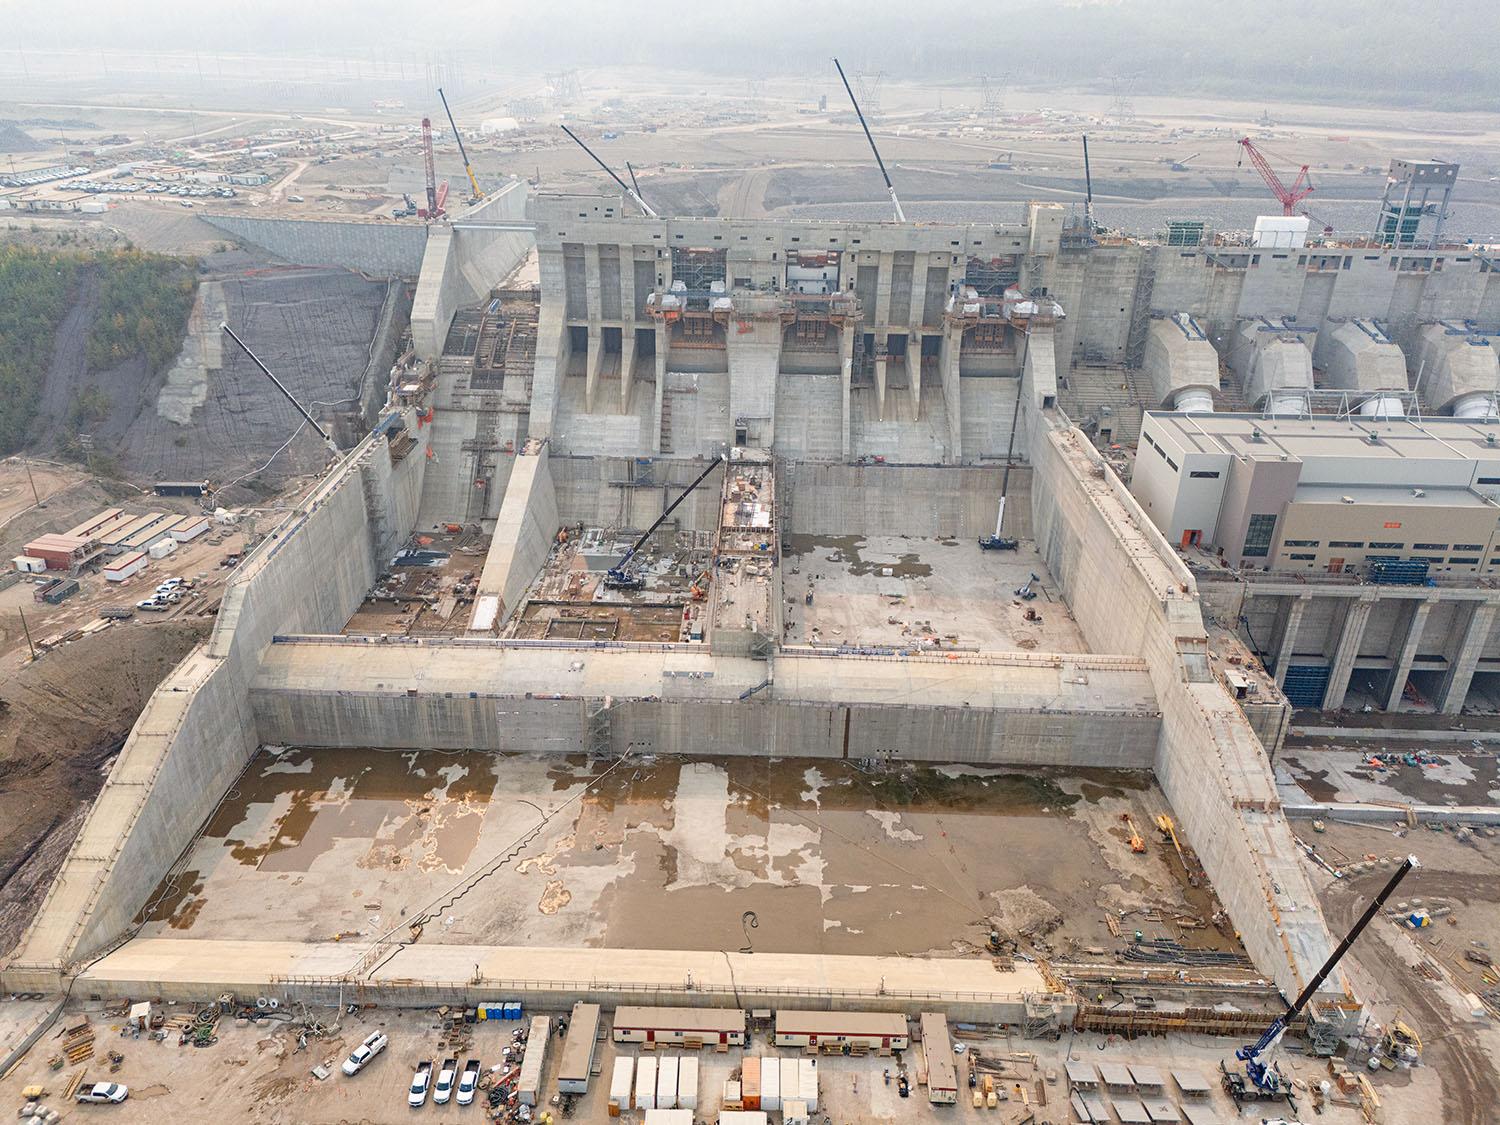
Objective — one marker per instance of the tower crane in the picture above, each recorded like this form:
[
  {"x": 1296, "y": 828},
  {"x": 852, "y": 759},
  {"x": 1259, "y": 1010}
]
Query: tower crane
[{"x": 1288, "y": 197}]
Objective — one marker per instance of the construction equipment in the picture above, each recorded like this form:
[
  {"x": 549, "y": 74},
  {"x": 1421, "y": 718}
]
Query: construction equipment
[
  {"x": 407, "y": 211},
  {"x": 1288, "y": 197},
  {"x": 1182, "y": 165},
  {"x": 280, "y": 386},
  {"x": 998, "y": 543},
  {"x": 620, "y": 576},
  {"x": 463, "y": 152},
  {"x": 635, "y": 195},
  {"x": 1261, "y": 1079},
  {"x": 889, "y": 187},
  {"x": 1399, "y": 1044},
  {"x": 1168, "y": 831},
  {"x": 434, "y": 208},
  {"x": 1137, "y": 844},
  {"x": 1088, "y": 188}
]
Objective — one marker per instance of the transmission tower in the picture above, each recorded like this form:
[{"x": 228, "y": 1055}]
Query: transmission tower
[
  {"x": 869, "y": 91},
  {"x": 991, "y": 98},
  {"x": 1122, "y": 108},
  {"x": 566, "y": 87}
]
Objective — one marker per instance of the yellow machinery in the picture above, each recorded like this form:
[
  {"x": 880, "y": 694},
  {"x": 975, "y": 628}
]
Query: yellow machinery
[{"x": 1137, "y": 844}]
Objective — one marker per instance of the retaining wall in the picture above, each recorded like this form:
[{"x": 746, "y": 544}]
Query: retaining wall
[{"x": 390, "y": 248}]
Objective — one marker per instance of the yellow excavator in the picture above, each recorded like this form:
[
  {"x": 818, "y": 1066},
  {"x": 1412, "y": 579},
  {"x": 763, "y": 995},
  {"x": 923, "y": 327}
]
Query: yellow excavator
[{"x": 1137, "y": 844}]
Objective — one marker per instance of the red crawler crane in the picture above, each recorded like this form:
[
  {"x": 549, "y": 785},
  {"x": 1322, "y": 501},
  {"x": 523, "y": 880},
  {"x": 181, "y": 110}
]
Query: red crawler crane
[
  {"x": 1289, "y": 197},
  {"x": 436, "y": 197}
]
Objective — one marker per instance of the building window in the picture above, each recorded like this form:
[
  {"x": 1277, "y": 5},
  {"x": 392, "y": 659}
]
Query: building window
[
  {"x": 1204, "y": 474},
  {"x": 1303, "y": 558},
  {"x": 1466, "y": 560},
  {"x": 1427, "y": 558},
  {"x": 1300, "y": 543},
  {"x": 1345, "y": 543},
  {"x": 1429, "y": 546},
  {"x": 1489, "y": 480},
  {"x": 1387, "y": 546},
  {"x": 1258, "y": 535},
  {"x": 1468, "y": 546},
  {"x": 1171, "y": 464}
]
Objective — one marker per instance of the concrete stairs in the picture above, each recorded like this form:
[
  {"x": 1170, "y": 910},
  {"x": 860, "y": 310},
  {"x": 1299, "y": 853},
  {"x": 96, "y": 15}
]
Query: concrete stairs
[
  {"x": 1229, "y": 398},
  {"x": 1112, "y": 397}
]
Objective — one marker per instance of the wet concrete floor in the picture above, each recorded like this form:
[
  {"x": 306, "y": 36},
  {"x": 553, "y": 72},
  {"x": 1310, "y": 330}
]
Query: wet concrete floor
[{"x": 793, "y": 855}]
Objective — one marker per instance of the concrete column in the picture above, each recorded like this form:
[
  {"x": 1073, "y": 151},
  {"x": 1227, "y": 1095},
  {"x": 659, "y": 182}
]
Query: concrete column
[
  {"x": 881, "y": 339},
  {"x": 1356, "y": 617},
  {"x": 948, "y": 356},
  {"x": 1288, "y": 642},
  {"x": 627, "y": 365},
  {"x": 591, "y": 366},
  {"x": 1416, "y": 621},
  {"x": 1466, "y": 658},
  {"x": 846, "y": 345},
  {"x": 882, "y": 316},
  {"x": 627, "y": 285},
  {"x": 591, "y": 283},
  {"x": 661, "y": 384}
]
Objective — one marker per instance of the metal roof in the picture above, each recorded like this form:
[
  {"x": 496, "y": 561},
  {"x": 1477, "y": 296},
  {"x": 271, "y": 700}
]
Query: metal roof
[
  {"x": 839, "y": 1023},
  {"x": 680, "y": 1019}
]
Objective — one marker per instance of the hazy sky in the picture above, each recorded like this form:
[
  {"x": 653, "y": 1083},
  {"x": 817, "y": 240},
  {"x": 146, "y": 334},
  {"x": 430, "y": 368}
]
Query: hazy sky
[{"x": 1432, "y": 52}]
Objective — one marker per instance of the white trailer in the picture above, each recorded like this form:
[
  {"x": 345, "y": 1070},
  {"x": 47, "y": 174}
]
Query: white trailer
[
  {"x": 687, "y": 1082},
  {"x": 937, "y": 1050},
  {"x": 770, "y": 1084},
  {"x": 807, "y": 1083},
  {"x": 666, "y": 1082},
  {"x": 529, "y": 1084},
  {"x": 620, "y": 1084},
  {"x": 645, "y": 1083}
]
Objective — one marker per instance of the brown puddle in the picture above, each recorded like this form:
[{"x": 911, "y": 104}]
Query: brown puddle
[
  {"x": 431, "y": 801},
  {"x": 846, "y": 549}
]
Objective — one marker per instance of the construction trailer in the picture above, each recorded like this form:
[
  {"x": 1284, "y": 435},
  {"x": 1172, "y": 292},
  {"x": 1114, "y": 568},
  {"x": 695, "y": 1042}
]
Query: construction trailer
[
  {"x": 645, "y": 1083},
  {"x": 61, "y": 552},
  {"x": 750, "y": 1082},
  {"x": 882, "y": 1032},
  {"x": 687, "y": 1082},
  {"x": 669, "y": 1117},
  {"x": 807, "y": 1083},
  {"x": 183, "y": 488},
  {"x": 577, "y": 1063},
  {"x": 125, "y": 566},
  {"x": 770, "y": 1084},
  {"x": 666, "y": 1082},
  {"x": 620, "y": 1084},
  {"x": 692, "y": 1028},
  {"x": 529, "y": 1085},
  {"x": 937, "y": 1052}
]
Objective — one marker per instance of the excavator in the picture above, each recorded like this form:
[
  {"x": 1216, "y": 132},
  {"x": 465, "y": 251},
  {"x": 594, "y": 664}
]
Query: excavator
[
  {"x": 1261, "y": 1080},
  {"x": 620, "y": 576}
]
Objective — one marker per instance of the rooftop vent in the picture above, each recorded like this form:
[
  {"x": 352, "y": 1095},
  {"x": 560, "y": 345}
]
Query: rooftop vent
[
  {"x": 1418, "y": 492},
  {"x": 1346, "y": 499},
  {"x": 1256, "y": 435},
  {"x": 1489, "y": 439}
]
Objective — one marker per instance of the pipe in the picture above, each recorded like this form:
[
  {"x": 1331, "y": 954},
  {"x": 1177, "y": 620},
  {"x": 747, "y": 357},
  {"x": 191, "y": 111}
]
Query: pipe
[
  {"x": 1478, "y": 405},
  {"x": 1193, "y": 400},
  {"x": 1382, "y": 406},
  {"x": 1290, "y": 401}
]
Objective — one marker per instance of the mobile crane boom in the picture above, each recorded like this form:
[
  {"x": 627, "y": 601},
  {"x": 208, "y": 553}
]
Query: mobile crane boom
[
  {"x": 619, "y": 577},
  {"x": 1260, "y": 1072},
  {"x": 463, "y": 152},
  {"x": 280, "y": 386},
  {"x": 889, "y": 187}
]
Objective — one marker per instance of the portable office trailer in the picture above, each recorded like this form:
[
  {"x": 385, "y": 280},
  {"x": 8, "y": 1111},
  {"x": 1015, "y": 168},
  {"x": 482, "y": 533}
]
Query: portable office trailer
[
  {"x": 577, "y": 1064},
  {"x": 666, "y": 1082},
  {"x": 189, "y": 528},
  {"x": 27, "y": 564},
  {"x": 529, "y": 1085},
  {"x": 125, "y": 566},
  {"x": 789, "y": 1081},
  {"x": 681, "y": 1027},
  {"x": 620, "y": 1084},
  {"x": 687, "y": 1082},
  {"x": 937, "y": 1049},
  {"x": 807, "y": 1083},
  {"x": 645, "y": 1083},
  {"x": 750, "y": 1082},
  {"x": 874, "y": 1031},
  {"x": 795, "y": 1113},
  {"x": 770, "y": 1084}
]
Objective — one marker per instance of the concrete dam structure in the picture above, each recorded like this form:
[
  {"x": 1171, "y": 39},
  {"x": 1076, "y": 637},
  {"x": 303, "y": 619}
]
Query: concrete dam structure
[{"x": 712, "y": 490}]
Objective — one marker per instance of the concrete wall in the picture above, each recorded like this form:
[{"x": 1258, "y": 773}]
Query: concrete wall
[
  {"x": 196, "y": 732},
  {"x": 817, "y": 499},
  {"x": 384, "y": 248},
  {"x": 1129, "y": 592},
  {"x": 524, "y": 533}
]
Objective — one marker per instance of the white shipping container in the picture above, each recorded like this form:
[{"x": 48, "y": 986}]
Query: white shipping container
[
  {"x": 807, "y": 1083},
  {"x": 162, "y": 548},
  {"x": 529, "y": 1084},
  {"x": 687, "y": 1082},
  {"x": 790, "y": 1080},
  {"x": 620, "y": 1084},
  {"x": 645, "y": 1083},
  {"x": 743, "y": 1117},
  {"x": 770, "y": 1084},
  {"x": 669, "y": 1117},
  {"x": 666, "y": 1082}
]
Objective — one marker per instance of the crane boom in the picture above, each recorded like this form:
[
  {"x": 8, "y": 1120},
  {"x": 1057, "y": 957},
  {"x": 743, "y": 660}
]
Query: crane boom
[
  {"x": 463, "y": 152},
  {"x": 427, "y": 167},
  {"x": 626, "y": 188},
  {"x": 889, "y": 187},
  {"x": 280, "y": 386},
  {"x": 1259, "y": 1072},
  {"x": 1288, "y": 197},
  {"x": 618, "y": 577}
]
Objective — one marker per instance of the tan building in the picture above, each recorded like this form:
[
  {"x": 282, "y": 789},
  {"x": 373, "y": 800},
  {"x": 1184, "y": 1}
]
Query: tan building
[{"x": 1324, "y": 493}]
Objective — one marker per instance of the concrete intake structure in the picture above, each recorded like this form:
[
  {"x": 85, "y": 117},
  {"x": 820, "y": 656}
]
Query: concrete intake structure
[
  {"x": 1274, "y": 366},
  {"x": 1458, "y": 370},
  {"x": 1357, "y": 356},
  {"x": 1181, "y": 364}
]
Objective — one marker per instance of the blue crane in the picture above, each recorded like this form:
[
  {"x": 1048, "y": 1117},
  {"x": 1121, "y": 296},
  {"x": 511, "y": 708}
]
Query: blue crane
[
  {"x": 620, "y": 576},
  {"x": 1267, "y": 1082}
]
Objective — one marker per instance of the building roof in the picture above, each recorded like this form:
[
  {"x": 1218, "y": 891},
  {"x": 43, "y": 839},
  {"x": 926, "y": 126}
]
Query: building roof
[
  {"x": 1389, "y": 495},
  {"x": 125, "y": 560},
  {"x": 839, "y": 1023},
  {"x": 1327, "y": 435},
  {"x": 680, "y": 1019},
  {"x": 67, "y": 543},
  {"x": 578, "y": 1047}
]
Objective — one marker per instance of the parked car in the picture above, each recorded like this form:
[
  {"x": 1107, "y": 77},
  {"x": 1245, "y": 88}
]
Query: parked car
[
  {"x": 107, "y": 1093},
  {"x": 373, "y": 1044},
  {"x": 447, "y": 1075},
  {"x": 421, "y": 1082},
  {"x": 153, "y": 605},
  {"x": 468, "y": 1082}
]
